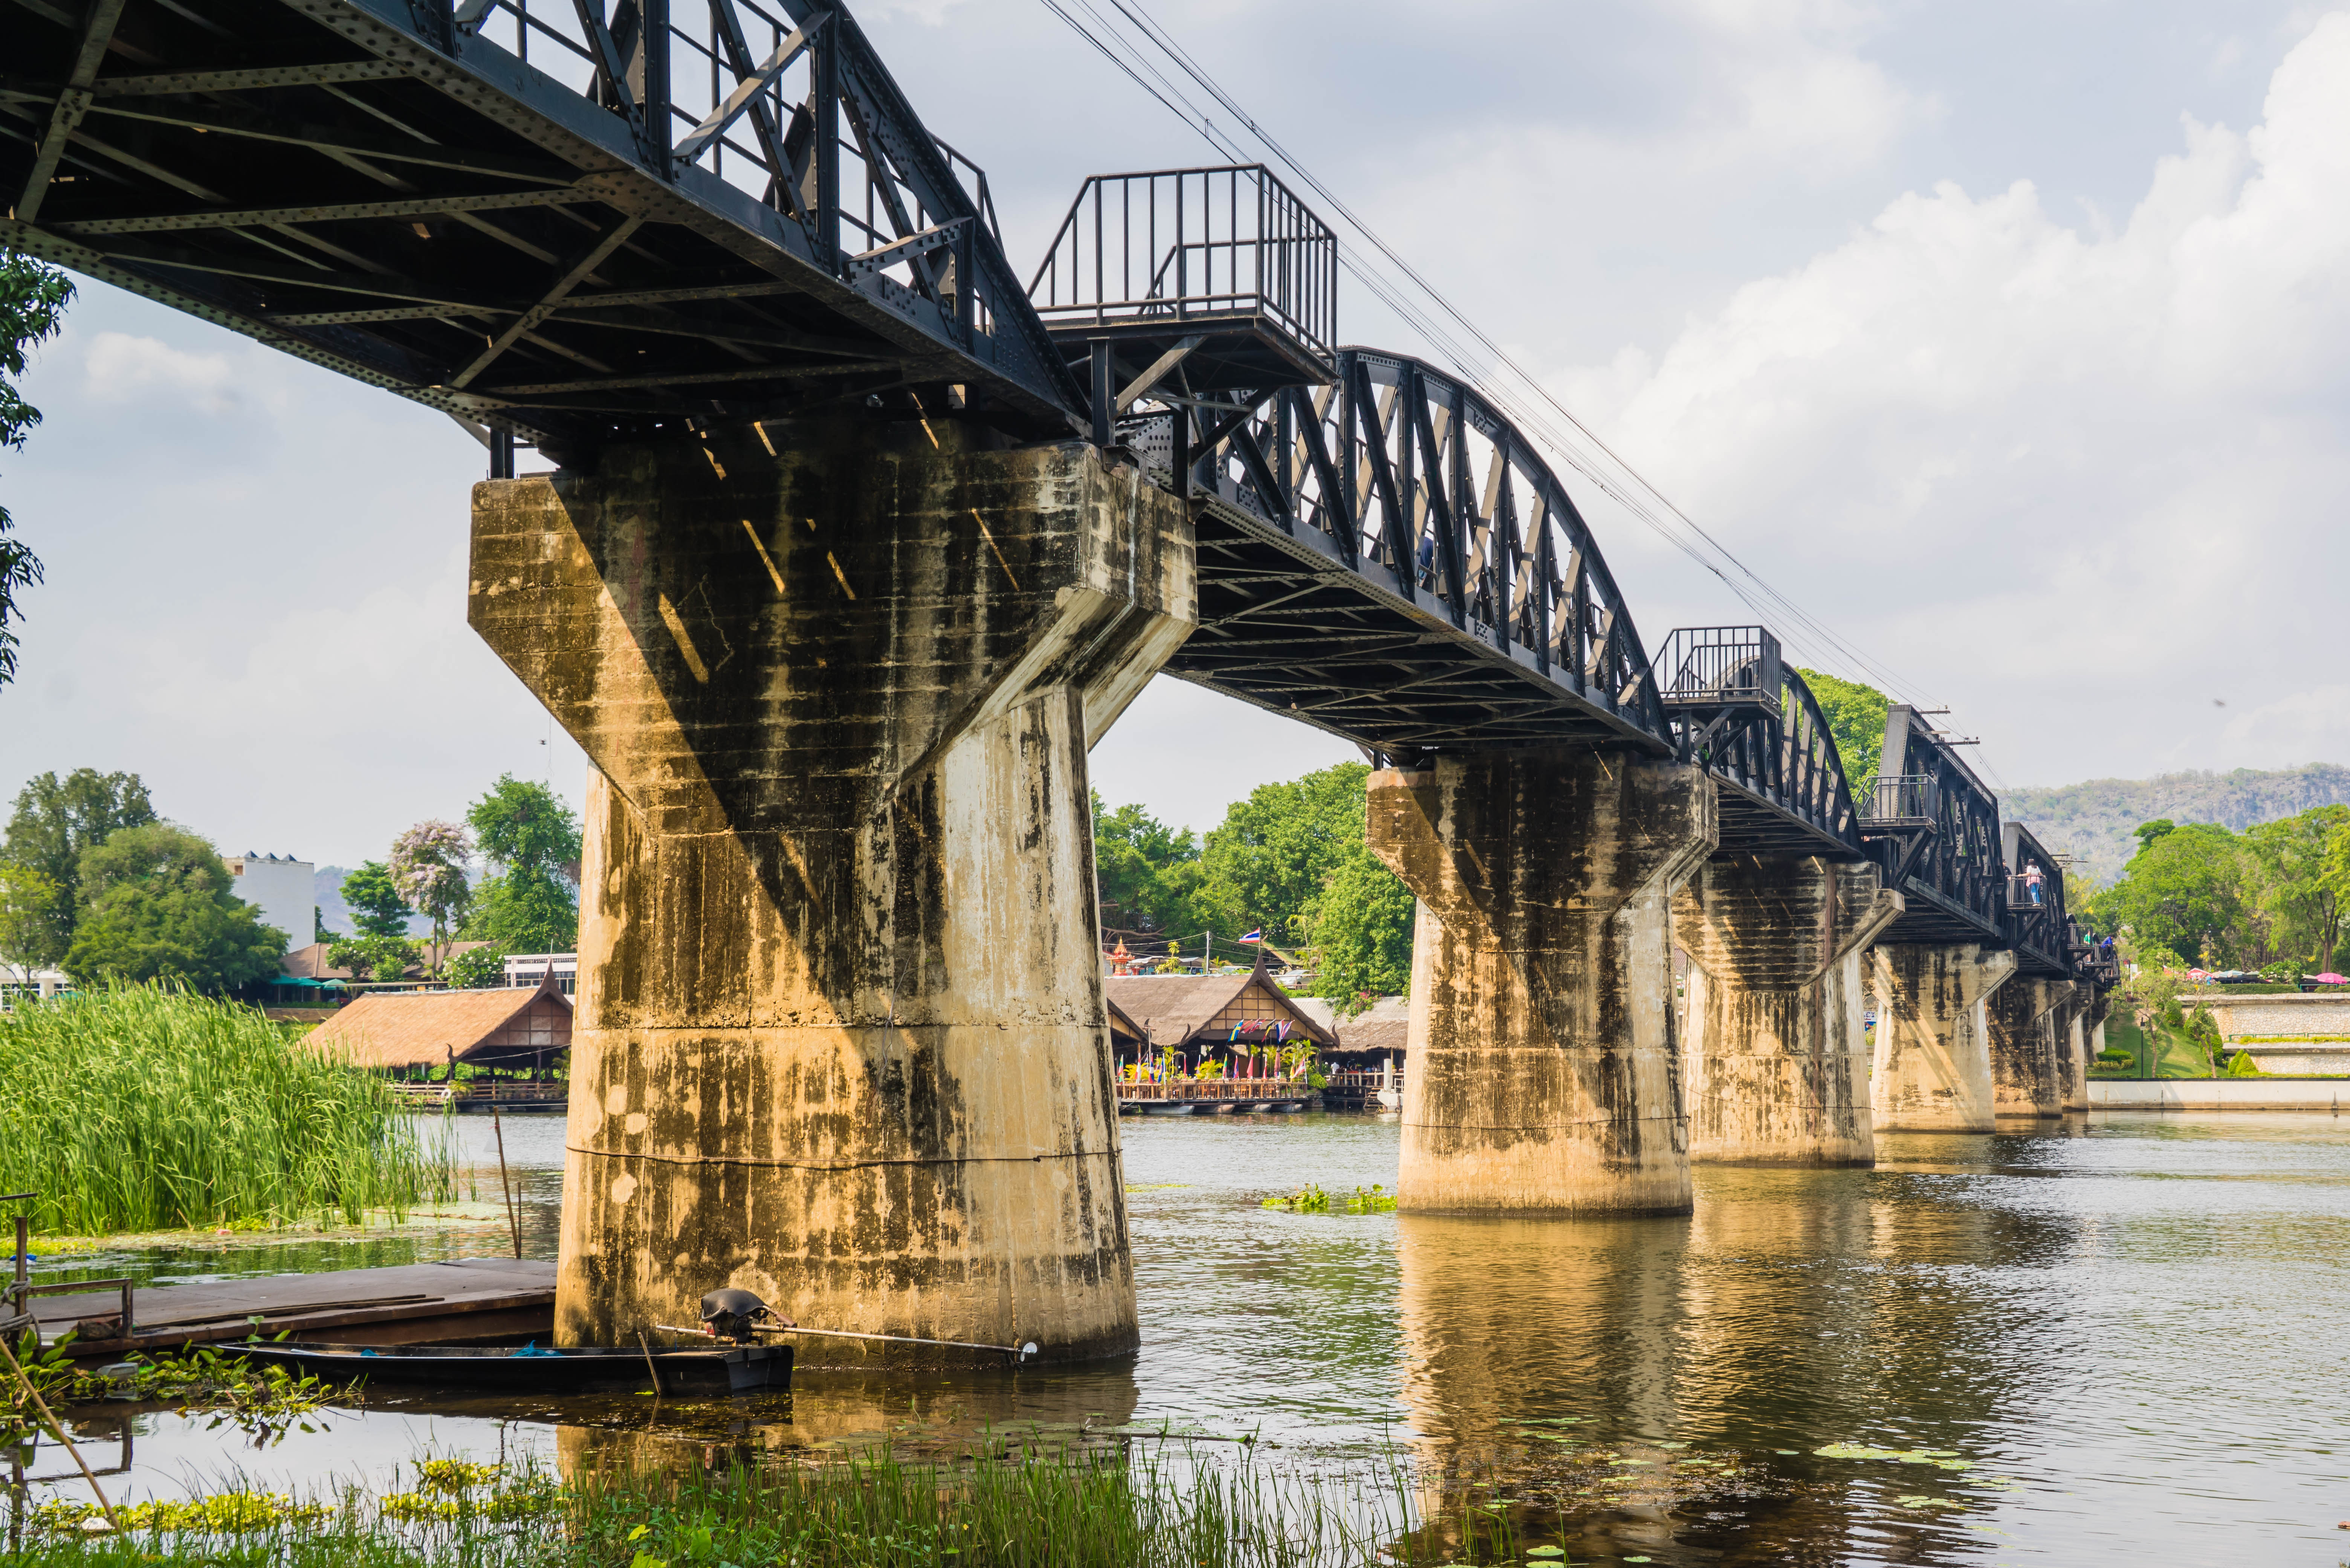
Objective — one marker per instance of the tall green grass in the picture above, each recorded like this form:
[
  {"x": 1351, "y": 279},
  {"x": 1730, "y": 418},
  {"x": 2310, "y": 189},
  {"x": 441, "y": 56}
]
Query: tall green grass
[
  {"x": 1101, "y": 1510},
  {"x": 148, "y": 1108}
]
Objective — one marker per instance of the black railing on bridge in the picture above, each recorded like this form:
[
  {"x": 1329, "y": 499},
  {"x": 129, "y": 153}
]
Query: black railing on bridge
[
  {"x": 1710, "y": 669},
  {"x": 1901, "y": 801},
  {"x": 1221, "y": 254}
]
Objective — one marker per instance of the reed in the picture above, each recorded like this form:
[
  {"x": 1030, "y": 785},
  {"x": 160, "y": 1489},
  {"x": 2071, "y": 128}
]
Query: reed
[
  {"x": 143, "y": 1108},
  {"x": 1090, "y": 1511}
]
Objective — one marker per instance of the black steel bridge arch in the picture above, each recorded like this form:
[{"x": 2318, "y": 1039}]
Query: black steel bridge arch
[{"x": 571, "y": 222}]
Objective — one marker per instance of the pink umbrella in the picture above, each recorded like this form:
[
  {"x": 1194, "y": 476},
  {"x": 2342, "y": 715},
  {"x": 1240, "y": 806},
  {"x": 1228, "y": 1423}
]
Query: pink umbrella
[{"x": 2331, "y": 979}]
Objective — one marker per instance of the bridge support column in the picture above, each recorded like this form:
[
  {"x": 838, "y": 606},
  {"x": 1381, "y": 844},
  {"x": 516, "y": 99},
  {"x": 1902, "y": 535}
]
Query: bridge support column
[
  {"x": 1775, "y": 1053},
  {"x": 1545, "y": 1075},
  {"x": 1933, "y": 1054},
  {"x": 2026, "y": 1077},
  {"x": 840, "y": 1037},
  {"x": 2073, "y": 1048}
]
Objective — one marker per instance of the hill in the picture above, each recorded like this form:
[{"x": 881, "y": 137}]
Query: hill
[{"x": 2094, "y": 820}]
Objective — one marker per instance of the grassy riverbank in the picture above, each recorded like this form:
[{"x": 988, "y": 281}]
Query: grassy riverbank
[
  {"x": 141, "y": 1108},
  {"x": 1088, "y": 1511}
]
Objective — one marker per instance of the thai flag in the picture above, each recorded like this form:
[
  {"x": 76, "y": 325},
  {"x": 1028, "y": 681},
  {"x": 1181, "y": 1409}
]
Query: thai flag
[{"x": 1255, "y": 936}]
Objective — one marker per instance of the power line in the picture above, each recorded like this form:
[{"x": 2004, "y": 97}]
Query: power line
[{"x": 1799, "y": 627}]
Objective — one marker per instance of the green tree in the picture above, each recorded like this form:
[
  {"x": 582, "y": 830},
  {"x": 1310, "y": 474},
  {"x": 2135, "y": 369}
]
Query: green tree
[
  {"x": 428, "y": 865},
  {"x": 2183, "y": 892},
  {"x": 531, "y": 841},
  {"x": 33, "y": 299},
  {"x": 379, "y": 958},
  {"x": 157, "y": 905},
  {"x": 1856, "y": 716},
  {"x": 25, "y": 900},
  {"x": 1364, "y": 931},
  {"x": 1150, "y": 877},
  {"x": 55, "y": 822},
  {"x": 376, "y": 908},
  {"x": 2291, "y": 891},
  {"x": 478, "y": 969},
  {"x": 1268, "y": 861}
]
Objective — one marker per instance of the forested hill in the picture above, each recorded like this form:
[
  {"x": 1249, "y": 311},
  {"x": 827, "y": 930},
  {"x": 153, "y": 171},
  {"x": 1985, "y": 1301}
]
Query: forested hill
[{"x": 2094, "y": 820}]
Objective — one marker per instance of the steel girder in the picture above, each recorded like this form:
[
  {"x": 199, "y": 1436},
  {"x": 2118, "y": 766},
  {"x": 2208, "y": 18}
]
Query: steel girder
[
  {"x": 1934, "y": 828},
  {"x": 523, "y": 212},
  {"x": 1781, "y": 787},
  {"x": 1388, "y": 559}
]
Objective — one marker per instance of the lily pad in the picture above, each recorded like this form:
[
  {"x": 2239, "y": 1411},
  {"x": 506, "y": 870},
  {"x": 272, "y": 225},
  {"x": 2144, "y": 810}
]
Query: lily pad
[{"x": 1545, "y": 1551}]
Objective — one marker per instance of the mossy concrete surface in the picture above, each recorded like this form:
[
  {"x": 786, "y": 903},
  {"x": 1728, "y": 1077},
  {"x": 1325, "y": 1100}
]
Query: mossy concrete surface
[
  {"x": 1775, "y": 1053},
  {"x": 840, "y": 1034},
  {"x": 1545, "y": 1076},
  {"x": 1932, "y": 1071}
]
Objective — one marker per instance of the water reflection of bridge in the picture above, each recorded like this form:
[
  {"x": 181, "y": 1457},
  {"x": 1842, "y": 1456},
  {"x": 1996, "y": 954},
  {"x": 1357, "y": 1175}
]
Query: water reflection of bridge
[{"x": 855, "y": 547}]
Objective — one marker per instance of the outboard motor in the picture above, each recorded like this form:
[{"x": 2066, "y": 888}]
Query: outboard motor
[{"x": 731, "y": 1314}]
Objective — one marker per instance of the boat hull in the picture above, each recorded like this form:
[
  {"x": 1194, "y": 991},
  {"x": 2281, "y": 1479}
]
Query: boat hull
[{"x": 750, "y": 1369}]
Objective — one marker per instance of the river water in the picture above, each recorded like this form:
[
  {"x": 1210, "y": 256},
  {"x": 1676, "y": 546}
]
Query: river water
[{"x": 2116, "y": 1340}]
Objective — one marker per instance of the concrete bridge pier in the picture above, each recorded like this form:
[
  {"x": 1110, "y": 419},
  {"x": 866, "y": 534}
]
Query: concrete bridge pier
[
  {"x": 1544, "y": 1073},
  {"x": 840, "y": 1037},
  {"x": 1775, "y": 1050},
  {"x": 2073, "y": 1047},
  {"x": 2027, "y": 1076},
  {"x": 1933, "y": 1055}
]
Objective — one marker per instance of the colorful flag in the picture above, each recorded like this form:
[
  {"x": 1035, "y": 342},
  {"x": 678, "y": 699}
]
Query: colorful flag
[{"x": 1254, "y": 936}]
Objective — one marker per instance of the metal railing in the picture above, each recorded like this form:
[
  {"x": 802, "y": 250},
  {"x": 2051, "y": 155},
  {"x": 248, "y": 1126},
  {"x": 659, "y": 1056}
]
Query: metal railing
[
  {"x": 1902, "y": 800},
  {"x": 1188, "y": 244},
  {"x": 1720, "y": 667}
]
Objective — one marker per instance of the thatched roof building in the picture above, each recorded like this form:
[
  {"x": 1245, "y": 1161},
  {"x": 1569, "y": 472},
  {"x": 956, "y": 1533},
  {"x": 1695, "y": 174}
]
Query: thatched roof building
[
  {"x": 1383, "y": 1026},
  {"x": 512, "y": 1030},
  {"x": 1189, "y": 1012},
  {"x": 1126, "y": 1036}
]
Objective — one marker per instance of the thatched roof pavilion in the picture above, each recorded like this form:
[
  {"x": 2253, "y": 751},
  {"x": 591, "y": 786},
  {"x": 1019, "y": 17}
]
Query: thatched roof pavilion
[{"x": 510, "y": 1030}]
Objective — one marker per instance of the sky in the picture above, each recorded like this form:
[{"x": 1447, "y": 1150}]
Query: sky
[{"x": 2011, "y": 341}]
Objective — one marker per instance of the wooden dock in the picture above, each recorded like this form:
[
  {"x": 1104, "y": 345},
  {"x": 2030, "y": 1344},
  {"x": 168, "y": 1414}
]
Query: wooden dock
[
  {"x": 1187, "y": 1097},
  {"x": 464, "y": 1298}
]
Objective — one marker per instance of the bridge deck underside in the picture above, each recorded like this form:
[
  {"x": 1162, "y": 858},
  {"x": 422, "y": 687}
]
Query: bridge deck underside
[
  {"x": 1751, "y": 823},
  {"x": 1931, "y": 919},
  {"x": 1288, "y": 627},
  {"x": 466, "y": 232}
]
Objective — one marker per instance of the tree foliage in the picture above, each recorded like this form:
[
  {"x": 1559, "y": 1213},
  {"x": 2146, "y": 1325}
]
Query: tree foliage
[
  {"x": 1856, "y": 716},
  {"x": 1289, "y": 859},
  {"x": 530, "y": 902},
  {"x": 55, "y": 822},
  {"x": 33, "y": 299},
  {"x": 1364, "y": 931},
  {"x": 429, "y": 865},
  {"x": 478, "y": 969},
  {"x": 379, "y": 957},
  {"x": 2270, "y": 899},
  {"x": 373, "y": 897},
  {"x": 1150, "y": 877},
  {"x": 157, "y": 904}
]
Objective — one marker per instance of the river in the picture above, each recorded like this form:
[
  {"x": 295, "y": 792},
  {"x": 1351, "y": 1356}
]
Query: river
[{"x": 2119, "y": 1339}]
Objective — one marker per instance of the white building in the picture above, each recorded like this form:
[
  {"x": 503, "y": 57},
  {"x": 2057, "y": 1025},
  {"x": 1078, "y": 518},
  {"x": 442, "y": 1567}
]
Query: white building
[
  {"x": 283, "y": 888},
  {"x": 529, "y": 968}
]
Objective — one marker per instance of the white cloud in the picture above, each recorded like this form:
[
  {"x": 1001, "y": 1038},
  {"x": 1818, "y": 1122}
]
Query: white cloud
[
  {"x": 121, "y": 369},
  {"x": 2080, "y": 482}
]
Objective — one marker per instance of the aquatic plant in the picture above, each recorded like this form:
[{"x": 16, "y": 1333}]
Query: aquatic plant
[
  {"x": 1311, "y": 1199},
  {"x": 142, "y": 1107},
  {"x": 262, "y": 1401}
]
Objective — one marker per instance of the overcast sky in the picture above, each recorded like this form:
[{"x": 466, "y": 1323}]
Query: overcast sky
[{"x": 2011, "y": 340}]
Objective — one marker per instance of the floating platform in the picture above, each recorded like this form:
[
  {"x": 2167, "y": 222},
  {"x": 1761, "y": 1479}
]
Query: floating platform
[{"x": 474, "y": 1298}]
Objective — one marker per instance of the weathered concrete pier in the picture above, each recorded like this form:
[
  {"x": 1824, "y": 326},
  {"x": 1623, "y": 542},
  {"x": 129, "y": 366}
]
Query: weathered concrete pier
[
  {"x": 840, "y": 1038},
  {"x": 1934, "y": 1056},
  {"x": 1545, "y": 1074},
  {"x": 1776, "y": 1055}
]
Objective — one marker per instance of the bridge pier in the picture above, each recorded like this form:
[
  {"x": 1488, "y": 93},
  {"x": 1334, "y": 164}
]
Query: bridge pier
[
  {"x": 1934, "y": 1056},
  {"x": 1775, "y": 1053},
  {"x": 2027, "y": 1080},
  {"x": 840, "y": 1037},
  {"x": 2073, "y": 1047},
  {"x": 1544, "y": 1077}
]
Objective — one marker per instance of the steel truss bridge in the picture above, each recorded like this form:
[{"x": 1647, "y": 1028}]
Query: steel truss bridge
[{"x": 567, "y": 222}]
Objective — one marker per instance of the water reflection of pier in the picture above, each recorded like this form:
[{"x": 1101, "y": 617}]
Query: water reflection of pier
[{"x": 1791, "y": 1304}]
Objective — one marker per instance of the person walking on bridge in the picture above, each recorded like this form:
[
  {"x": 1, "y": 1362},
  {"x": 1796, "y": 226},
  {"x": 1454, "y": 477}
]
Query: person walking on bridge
[{"x": 2032, "y": 880}]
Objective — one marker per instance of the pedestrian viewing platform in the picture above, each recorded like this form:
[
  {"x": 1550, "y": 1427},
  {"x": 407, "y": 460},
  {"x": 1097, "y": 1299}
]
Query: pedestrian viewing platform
[
  {"x": 481, "y": 1097},
  {"x": 1187, "y": 1097}
]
